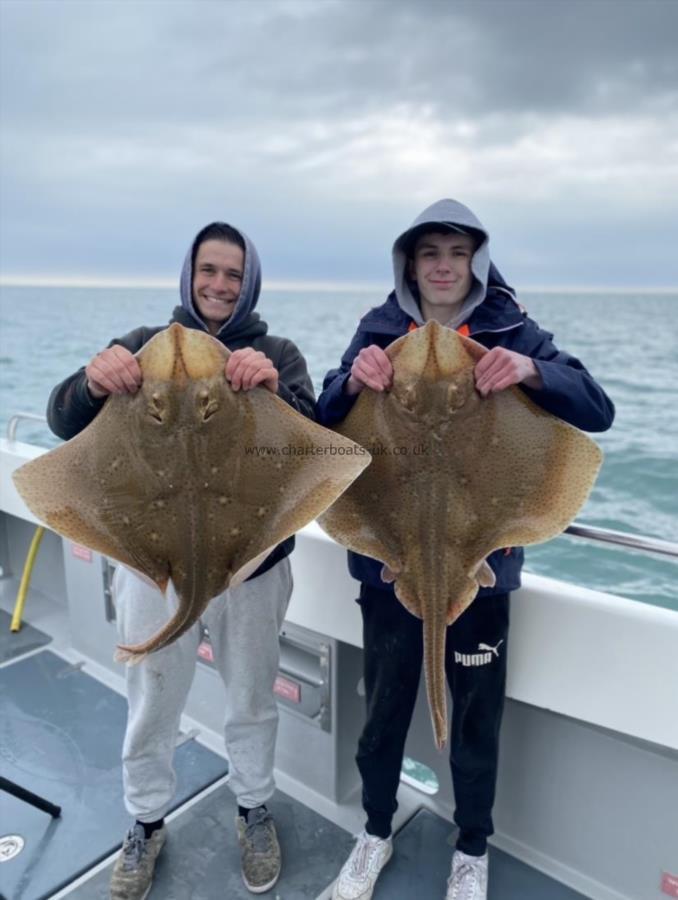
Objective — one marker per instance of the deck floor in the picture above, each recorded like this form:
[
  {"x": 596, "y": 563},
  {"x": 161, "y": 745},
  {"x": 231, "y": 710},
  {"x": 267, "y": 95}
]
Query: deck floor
[
  {"x": 201, "y": 860},
  {"x": 17, "y": 643},
  {"x": 420, "y": 866},
  {"x": 61, "y": 732}
]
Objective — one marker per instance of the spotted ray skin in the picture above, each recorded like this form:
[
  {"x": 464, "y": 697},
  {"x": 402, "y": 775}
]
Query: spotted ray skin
[
  {"x": 163, "y": 482},
  {"x": 494, "y": 472}
]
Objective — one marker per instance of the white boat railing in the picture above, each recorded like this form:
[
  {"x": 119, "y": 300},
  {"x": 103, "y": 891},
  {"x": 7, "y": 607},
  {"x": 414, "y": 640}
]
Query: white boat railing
[
  {"x": 19, "y": 417},
  {"x": 624, "y": 539},
  {"x": 643, "y": 543}
]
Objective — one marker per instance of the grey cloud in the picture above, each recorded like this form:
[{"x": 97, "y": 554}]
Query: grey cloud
[
  {"x": 76, "y": 64},
  {"x": 121, "y": 120}
]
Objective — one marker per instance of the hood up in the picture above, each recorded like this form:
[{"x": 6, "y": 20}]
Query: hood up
[
  {"x": 456, "y": 217},
  {"x": 249, "y": 288}
]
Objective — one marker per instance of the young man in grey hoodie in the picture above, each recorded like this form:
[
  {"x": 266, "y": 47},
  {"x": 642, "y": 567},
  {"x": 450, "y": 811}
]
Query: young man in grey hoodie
[
  {"x": 443, "y": 271},
  {"x": 220, "y": 285}
]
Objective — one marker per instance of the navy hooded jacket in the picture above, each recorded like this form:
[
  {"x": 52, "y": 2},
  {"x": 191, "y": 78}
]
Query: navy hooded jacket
[{"x": 495, "y": 320}]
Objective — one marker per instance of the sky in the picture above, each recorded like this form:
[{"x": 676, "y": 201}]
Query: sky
[{"x": 323, "y": 127}]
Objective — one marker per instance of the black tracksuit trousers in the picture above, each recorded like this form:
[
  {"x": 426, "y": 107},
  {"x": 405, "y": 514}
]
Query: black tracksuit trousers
[{"x": 475, "y": 663}]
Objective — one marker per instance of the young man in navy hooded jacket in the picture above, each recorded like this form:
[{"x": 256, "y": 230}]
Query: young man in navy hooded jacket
[
  {"x": 220, "y": 285},
  {"x": 443, "y": 271}
]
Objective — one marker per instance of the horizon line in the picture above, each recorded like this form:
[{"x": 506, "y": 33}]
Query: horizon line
[{"x": 303, "y": 286}]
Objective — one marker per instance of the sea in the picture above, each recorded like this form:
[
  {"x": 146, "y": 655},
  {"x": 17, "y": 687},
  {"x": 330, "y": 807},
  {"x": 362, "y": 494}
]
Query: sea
[{"x": 626, "y": 339}]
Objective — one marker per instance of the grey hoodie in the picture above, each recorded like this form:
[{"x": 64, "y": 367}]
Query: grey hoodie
[
  {"x": 249, "y": 288},
  {"x": 456, "y": 217}
]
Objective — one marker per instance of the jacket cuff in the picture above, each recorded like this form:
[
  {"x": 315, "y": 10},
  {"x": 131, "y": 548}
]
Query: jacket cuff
[
  {"x": 551, "y": 380},
  {"x": 335, "y": 404},
  {"x": 85, "y": 399}
]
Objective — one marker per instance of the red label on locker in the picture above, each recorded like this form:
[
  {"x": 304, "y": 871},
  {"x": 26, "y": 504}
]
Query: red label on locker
[
  {"x": 287, "y": 689},
  {"x": 80, "y": 552},
  {"x": 205, "y": 652},
  {"x": 670, "y": 884}
]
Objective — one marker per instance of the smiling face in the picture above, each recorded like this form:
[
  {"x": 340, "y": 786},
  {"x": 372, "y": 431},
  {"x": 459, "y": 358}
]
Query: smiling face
[
  {"x": 217, "y": 278},
  {"x": 441, "y": 267}
]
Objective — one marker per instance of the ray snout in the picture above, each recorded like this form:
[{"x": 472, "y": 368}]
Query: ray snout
[
  {"x": 432, "y": 352},
  {"x": 180, "y": 354}
]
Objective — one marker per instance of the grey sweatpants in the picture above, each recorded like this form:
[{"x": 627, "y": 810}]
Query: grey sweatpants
[{"x": 243, "y": 626}]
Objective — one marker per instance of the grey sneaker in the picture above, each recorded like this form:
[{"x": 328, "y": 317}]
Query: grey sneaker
[
  {"x": 259, "y": 850},
  {"x": 133, "y": 870},
  {"x": 468, "y": 878}
]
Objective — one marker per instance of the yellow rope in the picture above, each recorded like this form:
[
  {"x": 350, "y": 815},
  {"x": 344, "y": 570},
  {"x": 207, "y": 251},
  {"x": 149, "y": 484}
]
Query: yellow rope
[{"x": 26, "y": 578}]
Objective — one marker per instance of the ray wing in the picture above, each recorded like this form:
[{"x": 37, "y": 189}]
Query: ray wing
[{"x": 76, "y": 494}]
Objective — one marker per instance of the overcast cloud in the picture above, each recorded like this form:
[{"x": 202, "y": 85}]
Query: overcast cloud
[{"x": 322, "y": 128}]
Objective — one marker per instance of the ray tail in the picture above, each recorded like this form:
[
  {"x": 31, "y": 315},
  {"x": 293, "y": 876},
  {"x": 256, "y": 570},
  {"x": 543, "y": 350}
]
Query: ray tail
[
  {"x": 435, "y": 631},
  {"x": 186, "y": 615}
]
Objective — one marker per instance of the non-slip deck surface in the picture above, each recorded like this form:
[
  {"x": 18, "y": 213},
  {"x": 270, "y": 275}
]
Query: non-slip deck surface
[
  {"x": 61, "y": 735},
  {"x": 16, "y": 643},
  {"x": 420, "y": 866},
  {"x": 201, "y": 860}
]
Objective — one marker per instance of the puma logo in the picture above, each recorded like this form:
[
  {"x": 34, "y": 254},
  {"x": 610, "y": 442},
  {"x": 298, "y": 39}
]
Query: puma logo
[
  {"x": 494, "y": 649},
  {"x": 481, "y": 658}
]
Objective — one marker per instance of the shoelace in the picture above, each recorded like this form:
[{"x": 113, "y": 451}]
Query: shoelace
[
  {"x": 363, "y": 857},
  {"x": 258, "y": 834},
  {"x": 135, "y": 846},
  {"x": 460, "y": 876}
]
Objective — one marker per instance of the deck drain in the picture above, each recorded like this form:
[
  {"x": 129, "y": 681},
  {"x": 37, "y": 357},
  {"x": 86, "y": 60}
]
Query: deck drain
[{"x": 11, "y": 845}]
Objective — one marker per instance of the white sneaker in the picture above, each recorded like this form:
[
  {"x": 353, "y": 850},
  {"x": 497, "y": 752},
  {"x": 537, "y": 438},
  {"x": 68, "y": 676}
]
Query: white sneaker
[
  {"x": 468, "y": 878},
  {"x": 360, "y": 871}
]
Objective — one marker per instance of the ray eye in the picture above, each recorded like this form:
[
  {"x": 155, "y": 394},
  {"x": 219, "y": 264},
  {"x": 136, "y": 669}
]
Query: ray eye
[
  {"x": 155, "y": 409},
  {"x": 208, "y": 407},
  {"x": 407, "y": 396},
  {"x": 456, "y": 396}
]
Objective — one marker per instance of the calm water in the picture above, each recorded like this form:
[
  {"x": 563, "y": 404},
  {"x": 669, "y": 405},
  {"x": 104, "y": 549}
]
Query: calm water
[{"x": 627, "y": 342}]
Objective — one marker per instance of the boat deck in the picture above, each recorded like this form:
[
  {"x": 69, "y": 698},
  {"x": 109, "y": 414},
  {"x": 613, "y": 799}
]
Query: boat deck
[
  {"x": 60, "y": 733},
  {"x": 61, "y": 736}
]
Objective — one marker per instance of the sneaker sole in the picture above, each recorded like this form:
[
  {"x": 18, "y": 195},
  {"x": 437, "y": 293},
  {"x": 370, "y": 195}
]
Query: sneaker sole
[
  {"x": 259, "y": 888},
  {"x": 363, "y": 896},
  {"x": 144, "y": 895}
]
